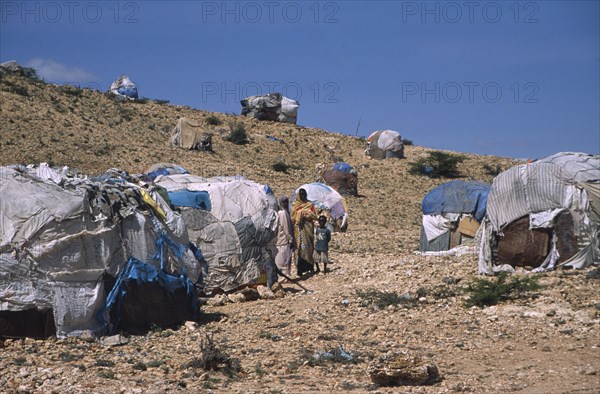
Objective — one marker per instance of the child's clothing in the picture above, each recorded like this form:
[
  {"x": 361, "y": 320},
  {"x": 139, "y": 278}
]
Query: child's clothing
[{"x": 322, "y": 238}]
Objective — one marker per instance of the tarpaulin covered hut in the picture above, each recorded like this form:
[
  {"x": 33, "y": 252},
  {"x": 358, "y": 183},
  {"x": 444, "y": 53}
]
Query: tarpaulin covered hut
[{"x": 543, "y": 214}]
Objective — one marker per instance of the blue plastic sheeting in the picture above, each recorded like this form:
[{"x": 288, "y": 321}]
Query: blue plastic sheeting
[
  {"x": 343, "y": 167},
  {"x": 129, "y": 91},
  {"x": 188, "y": 198},
  {"x": 457, "y": 197},
  {"x": 268, "y": 190},
  {"x": 274, "y": 139},
  {"x": 167, "y": 171},
  {"x": 145, "y": 273},
  {"x": 159, "y": 253}
]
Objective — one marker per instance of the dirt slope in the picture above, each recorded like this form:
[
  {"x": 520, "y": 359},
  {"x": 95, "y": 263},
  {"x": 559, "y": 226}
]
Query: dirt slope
[{"x": 548, "y": 343}]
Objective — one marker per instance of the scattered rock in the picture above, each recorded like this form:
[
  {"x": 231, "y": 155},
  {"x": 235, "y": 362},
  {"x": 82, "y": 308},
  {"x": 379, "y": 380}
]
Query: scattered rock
[
  {"x": 218, "y": 300},
  {"x": 236, "y": 297},
  {"x": 403, "y": 370},
  {"x": 114, "y": 340},
  {"x": 265, "y": 292}
]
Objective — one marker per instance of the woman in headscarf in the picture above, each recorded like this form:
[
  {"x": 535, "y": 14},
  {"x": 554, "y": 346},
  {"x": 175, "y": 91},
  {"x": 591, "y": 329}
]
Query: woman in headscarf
[
  {"x": 303, "y": 217},
  {"x": 285, "y": 237}
]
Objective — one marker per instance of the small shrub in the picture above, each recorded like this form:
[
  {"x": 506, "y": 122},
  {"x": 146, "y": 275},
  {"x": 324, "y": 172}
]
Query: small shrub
[
  {"x": 383, "y": 299},
  {"x": 161, "y": 101},
  {"x": 268, "y": 335},
  {"x": 214, "y": 120},
  {"x": 407, "y": 142},
  {"x": 280, "y": 166},
  {"x": 31, "y": 73},
  {"x": 155, "y": 363},
  {"x": 293, "y": 365},
  {"x": 126, "y": 113},
  {"x": 71, "y": 90},
  {"x": 212, "y": 358},
  {"x": 490, "y": 170},
  {"x": 20, "y": 90},
  {"x": 106, "y": 374},
  {"x": 139, "y": 366},
  {"x": 142, "y": 100},
  {"x": 327, "y": 337},
  {"x": 66, "y": 356},
  {"x": 484, "y": 292},
  {"x": 104, "y": 363},
  {"x": 237, "y": 133},
  {"x": 443, "y": 292},
  {"x": 437, "y": 164}
]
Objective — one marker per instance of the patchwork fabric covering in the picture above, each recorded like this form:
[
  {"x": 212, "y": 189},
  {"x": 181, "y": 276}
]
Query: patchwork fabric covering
[
  {"x": 385, "y": 144},
  {"x": 328, "y": 200},
  {"x": 62, "y": 238},
  {"x": 271, "y": 106},
  {"x": 231, "y": 221},
  {"x": 544, "y": 192},
  {"x": 342, "y": 177},
  {"x": 190, "y": 135},
  {"x": 124, "y": 87}
]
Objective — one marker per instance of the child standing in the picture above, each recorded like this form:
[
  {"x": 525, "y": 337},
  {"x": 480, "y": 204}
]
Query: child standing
[{"x": 322, "y": 238}]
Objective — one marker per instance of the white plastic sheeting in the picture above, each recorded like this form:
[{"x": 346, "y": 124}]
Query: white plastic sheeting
[
  {"x": 437, "y": 225},
  {"x": 389, "y": 140},
  {"x": 326, "y": 198},
  {"x": 54, "y": 250},
  {"x": 235, "y": 236}
]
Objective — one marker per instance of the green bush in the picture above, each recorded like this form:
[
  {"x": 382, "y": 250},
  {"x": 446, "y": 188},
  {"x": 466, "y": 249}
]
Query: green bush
[
  {"x": 280, "y": 166},
  {"x": 31, "y": 73},
  {"x": 214, "y": 120},
  {"x": 491, "y": 170},
  {"x": 437, "y": 164},
  {"x": 383, "y": 299},
  {"x": 484, "y": 292},
  {"x": 407, "y": 142},
  {"x": 237, "y": 134}
]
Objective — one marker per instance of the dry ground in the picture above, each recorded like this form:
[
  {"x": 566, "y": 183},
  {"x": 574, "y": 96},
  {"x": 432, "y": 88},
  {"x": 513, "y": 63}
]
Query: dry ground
[{"x": 545, "y": 343}]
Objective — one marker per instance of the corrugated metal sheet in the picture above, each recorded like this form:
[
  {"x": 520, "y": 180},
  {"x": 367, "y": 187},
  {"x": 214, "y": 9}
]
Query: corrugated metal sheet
[
  {"x": 539, "y": 186},
  {"x": 439, "y": 244}
]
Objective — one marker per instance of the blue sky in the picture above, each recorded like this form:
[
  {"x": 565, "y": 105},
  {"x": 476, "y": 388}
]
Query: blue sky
[{"x": 516, "y": 79}]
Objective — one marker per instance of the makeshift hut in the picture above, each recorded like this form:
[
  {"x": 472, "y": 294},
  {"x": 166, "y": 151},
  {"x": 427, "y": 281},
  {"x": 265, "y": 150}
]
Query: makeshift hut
[
  {"x": 189, "y": 135},
  {"x": 328, "y": 202},
  {"x": 125, "y": 88},
  {"x": 342, "y": 177},
  {"x": 231, "y": 221},
  {"x": 271, "y": 106},
  {"x": 385, "y": 144},
  {"x": 543, "y": 214},
  {"x": 89, "y": 255},
  {"x": 451, "y": 214}
]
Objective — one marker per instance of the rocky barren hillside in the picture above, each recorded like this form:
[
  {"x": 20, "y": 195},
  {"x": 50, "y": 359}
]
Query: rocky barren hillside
[{"x": 332, "y": 338}]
